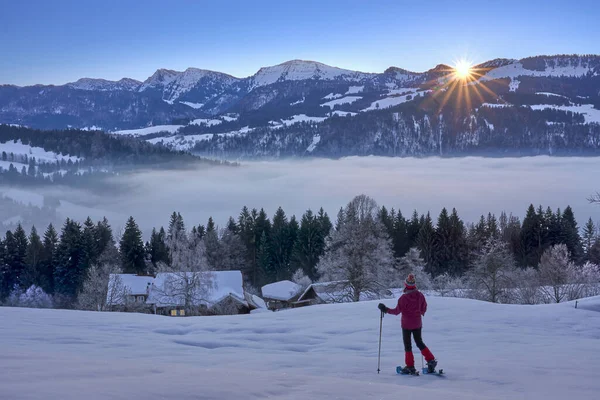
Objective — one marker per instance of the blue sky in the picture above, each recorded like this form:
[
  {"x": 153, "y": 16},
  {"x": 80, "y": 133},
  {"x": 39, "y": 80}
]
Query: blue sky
[{"x": 54, "y": 42}]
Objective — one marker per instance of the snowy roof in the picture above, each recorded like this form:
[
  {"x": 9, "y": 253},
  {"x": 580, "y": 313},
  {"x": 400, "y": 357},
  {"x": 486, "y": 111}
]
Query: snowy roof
[
  {"x": 334, "y": 291},
  {"x": 164, "y": 291},
  {"x": 340, "y": 292},
  {"x": 283, "y": 290},
  {"x": 132, "y": 284}
]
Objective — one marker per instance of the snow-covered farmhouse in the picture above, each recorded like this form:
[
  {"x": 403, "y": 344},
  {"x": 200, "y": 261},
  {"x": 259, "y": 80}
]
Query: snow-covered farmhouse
[
  {"x": 280, "y": 294},
  {"x": 128, "y": 292},
  {"x": 182, "y": 293}
]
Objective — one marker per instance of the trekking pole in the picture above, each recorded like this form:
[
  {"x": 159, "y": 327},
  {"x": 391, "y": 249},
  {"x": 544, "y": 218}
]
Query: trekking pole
[{"x": 380, "y": 329}]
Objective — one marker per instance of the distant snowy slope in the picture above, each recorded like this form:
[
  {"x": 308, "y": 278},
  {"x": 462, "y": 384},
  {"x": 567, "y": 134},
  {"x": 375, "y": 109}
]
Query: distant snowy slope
[
  {"x": 488, "y": 351},
  {"x": 343, "y": 100},
  {"x": 17, "y": 148},
  {"x": 516, "y": 69},
  {"x": 149, "y": 130},
  {"x": 588, "y": 111}
]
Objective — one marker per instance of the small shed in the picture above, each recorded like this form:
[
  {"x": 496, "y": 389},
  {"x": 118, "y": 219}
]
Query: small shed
[
  {"x": 324, "y": 293},
  {"x": 336, "y": 292},
  {"x": 280, "y": 294}
]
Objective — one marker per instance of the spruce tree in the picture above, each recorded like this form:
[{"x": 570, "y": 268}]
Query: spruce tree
[
  {"x": 48, "y": 260},
  {"x": 324, "y": 223},
  {"x": 458, "y": 244},
  {"x": 571, "y": 235},
  {"x": 293, "y": 229},
  {"x": 232, "y": 226},
  {"x": 176, "y": 227},
  {"x": 157, "y": 248},
  {"x": 553, "y": 227},
  {"x": 35, "y": 251},
  {"x": 103, "y": 236},
  {"x": 493, "y": 229},
  {"x": 246, "y": 224},
  {"x": 442, "y": 246},
  {"x": 212, "y": 248},
  {"x": 16, "y": 257},
  {"x": 89, "y": 242},
  {"x": 309, "y": 246},
  {"x": 132, "y": 249},
  {"x": 533, "y": 237},
  {"x": 267, "y": 273},
  {"x": 210, "y": 226},
  {"x": 200, "y": 232},
  {"x": 69, "y": 273},
  {"x": 426, "y": 242},
  {"x": 400, "y": 239},
  {"x": 386, "y": 219},
  {"x": 413, "y": 228},
  {"x": 512, "y": 236},
  {"x": 340, "y": 219},
  {"x": 280, "y": 245}
]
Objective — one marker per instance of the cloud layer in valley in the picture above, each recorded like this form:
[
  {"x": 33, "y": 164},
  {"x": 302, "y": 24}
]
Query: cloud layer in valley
[{"x": 473, "y": 185}]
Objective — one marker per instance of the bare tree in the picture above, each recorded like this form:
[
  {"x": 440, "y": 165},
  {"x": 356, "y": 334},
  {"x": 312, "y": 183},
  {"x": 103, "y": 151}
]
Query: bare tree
[
  {"x": 490, "y": 276},
  {"x": 557, "y": 274},
  {"x": 525, "y": 286},
  {"x": 301, "y": 279},
  {"x": 595, "y": 198},
  {"x": 359, "y": 253},
  {"x": 186, "y": 282},
  {"x": 413, "y": 263},
  {"x": 449, "y": 286},
  {"x": 103, "y": 289}
]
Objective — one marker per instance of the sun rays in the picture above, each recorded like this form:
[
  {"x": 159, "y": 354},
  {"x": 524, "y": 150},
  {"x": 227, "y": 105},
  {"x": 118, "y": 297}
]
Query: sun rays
[{"x": 461, "y": 83}]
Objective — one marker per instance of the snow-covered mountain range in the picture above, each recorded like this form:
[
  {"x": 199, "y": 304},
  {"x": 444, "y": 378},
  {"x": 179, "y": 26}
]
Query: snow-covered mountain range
[{"x": 309, "y": 91}]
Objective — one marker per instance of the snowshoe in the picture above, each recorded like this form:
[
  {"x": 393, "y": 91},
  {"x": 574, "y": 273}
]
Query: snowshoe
[
  {"x": 431, "y": 366},
  {"x": 407, "y": 371}
]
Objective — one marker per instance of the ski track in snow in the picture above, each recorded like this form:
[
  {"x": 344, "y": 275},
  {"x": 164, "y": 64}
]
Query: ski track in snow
[{"x": 488, "y": 351}]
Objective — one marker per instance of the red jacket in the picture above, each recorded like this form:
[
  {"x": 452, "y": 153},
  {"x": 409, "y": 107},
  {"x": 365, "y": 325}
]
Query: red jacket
[{"x": 412, "y": 305}]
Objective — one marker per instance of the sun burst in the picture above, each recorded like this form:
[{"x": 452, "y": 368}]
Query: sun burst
[{"x": 463, "y": 69}]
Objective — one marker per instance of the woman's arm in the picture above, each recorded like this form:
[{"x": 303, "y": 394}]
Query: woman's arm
[{"x": 397, "y": 310}]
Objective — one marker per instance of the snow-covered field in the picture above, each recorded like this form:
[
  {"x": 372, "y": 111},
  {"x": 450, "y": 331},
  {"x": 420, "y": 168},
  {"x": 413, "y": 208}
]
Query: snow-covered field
[{"x": 488, "y": 351}]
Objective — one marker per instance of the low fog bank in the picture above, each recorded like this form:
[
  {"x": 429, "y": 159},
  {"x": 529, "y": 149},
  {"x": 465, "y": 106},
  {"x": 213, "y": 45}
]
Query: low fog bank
[{"x": 473, "y": 185}]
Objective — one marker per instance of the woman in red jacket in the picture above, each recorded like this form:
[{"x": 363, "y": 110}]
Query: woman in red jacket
[{"x": 412, "y": 305}]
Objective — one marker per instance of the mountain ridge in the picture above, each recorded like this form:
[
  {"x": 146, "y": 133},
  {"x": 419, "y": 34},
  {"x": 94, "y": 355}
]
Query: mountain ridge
[{"x": 306, "y": 92}]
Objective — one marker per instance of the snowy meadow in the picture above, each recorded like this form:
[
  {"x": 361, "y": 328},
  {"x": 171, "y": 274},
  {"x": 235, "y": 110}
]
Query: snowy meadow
[
  {"x": 488, "y": 351},
  {"x": 473, "y": 185}
]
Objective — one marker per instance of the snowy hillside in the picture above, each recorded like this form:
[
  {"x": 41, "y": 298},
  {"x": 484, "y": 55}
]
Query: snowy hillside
[
  {"x": 149, "y": 130},
  {"x": 296, "y": 70},
  {"x": 18, "y": 150},
  {"x": 488, "y": 351},
  {"x": 550, "y": 67}
]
